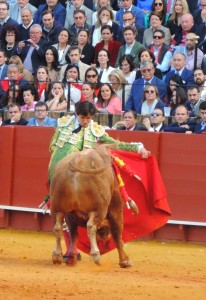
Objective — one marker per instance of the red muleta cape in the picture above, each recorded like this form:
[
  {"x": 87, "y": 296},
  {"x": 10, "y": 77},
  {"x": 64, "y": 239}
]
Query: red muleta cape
[{"x": 150, "y": 196}]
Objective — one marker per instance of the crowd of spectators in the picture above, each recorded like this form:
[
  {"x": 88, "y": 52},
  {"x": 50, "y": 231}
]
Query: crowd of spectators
[{"x": 127, "y": 57}]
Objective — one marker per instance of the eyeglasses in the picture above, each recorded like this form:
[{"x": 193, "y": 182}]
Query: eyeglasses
[
  {"x": 155, "y": 115},
  {"x": 146, "y": 70},
  {"x": 157, "y": 37},
  {"x": 92, "y": 76},
  {"x": 158, "y": 4},
  {"x": 149, "y": 92}
]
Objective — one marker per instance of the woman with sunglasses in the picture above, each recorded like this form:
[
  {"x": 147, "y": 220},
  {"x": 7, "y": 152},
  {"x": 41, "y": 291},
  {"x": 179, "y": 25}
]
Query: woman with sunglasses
[
  {"x": 174, "y": 23},
  {"x": 92, "y": 76},
  {"x": 160, "y": 7},
  {"x": 108, "y": 101},
  {"x": 151, "y": 100}
]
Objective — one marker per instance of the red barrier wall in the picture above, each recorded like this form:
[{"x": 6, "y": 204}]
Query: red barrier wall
[{"x": 24, "y": 158}]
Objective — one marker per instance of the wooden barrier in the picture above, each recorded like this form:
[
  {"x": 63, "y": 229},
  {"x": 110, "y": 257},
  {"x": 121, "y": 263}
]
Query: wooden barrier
[{"x": 24, "y": 158}]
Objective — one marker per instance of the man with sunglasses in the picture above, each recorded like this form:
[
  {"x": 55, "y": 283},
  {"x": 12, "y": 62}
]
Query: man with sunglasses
[
  {"x": 136, "y": 95},
  {"x": 156, "y": 121},
  {"x": 161, "y": 51}
]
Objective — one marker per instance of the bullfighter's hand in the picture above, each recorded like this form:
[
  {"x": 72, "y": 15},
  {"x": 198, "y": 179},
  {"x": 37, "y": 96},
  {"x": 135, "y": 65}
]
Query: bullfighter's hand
[{"x": 145, "y": 153}]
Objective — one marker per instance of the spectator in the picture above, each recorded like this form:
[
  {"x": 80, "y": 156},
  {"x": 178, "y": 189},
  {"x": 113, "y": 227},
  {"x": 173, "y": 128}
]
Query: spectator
[
  {"x": 56, "y": 8},
  {"x": 77, "y": 5},
  {"x": 41, "y": 117},
  {"x": 11, "y": 96},
  {"x": 74, "y": 57},
  {"x": 50, "y": 27},
  {"x": 128, "y": 6},
  {"x": 131, "y": 47},
  {"x": 129, "y": 20},
  {"x": 80, "y": 22},
  {"x": 174, "y": 23},
  {"x": 15, "y": 116},
  {"x": 104, "y": 17},
  {"x": 26, "y": 74},
  {"x": 16, "y": 9},
  {"x": 109, "y": 44},
  {"x": 160, "y": 7},
  {"x": 103, "y": 65},
  {"x": 129, "y": 122},
  {"x": 179, "y": 97},
  {"x": 155, "y": 23},
  {"x": 30, "y": 98},
  {"x": 99, "y": 4},
  {"x": 119, "y": 85},
  {"x": 200, "y": 13},
  {"x": 189, "y": 51},
  {"x": 174, "y": 82},
  {"x": 156, "y": 121},
  {"x": 200, "y": 80},
  {"x": 52, "y": 64},
  {"x": 135, "y": 99},
  {"x": 92, "y": 76},
  {"x": 42, "y": 83},
  {"x": 144, "y": 56},
  {"x": 73, "y": 87},
  {"x": 201, "y": 127},
  {"x": 151, "y": 100},
  {"x": 182, "y": 124},
  {"x": 5, "y": 18},
  {"x": 194, "y": 101},
  {"x": 161, "y": 51},
  {"x": 13, "y": 77},
  {"x": 62, "y": 46},
  {"x": 31, "y": 52},
  {"x": 108, "y": 102},
  {"x": 9, "y": 39},
  {"x": 178, "y": 63},
  {"x": 127, "y": 66},
  {"x": 87, "y": 56},
  {"x": 57, "y": 100},
  {"x": 88, "y": 93},
  {"x": 26, "y": 22},
  {"x": 146, "y": 6},
  {"x": 3, "y": 65}
]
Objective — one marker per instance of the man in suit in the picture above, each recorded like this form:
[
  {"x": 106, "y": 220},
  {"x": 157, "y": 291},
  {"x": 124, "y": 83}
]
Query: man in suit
[
  {"x": 59, "y": 11},
  {"x": 178, "y": 63},
  {"x": 74, "y": 54},
  {"x": 26, "y": 23},
  {"x": 128, "y": 6},
  {"x": 50, "y": 28},
  {"x": 80, "y": 21},
  {"x": 31, "y": 52},
  {"x": 156, "y": 121},
  {"x": 77, "y": 4},
  {"x": 3, "y": 65},
  {"x": 131, "y": 47},
  {"x": 136, "y": 95},
  {"x": 5, "y": 18},
  {"x": 201, "y": 127},
  {"x": 15, "y": 9},
  {"x": 15, "y": 114}
]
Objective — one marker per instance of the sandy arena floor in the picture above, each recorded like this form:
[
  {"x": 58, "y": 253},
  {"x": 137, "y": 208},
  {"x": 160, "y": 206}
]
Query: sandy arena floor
[{"x": 161, "y": 271}]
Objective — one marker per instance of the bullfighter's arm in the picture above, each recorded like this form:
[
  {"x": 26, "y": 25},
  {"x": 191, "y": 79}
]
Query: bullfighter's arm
[{"x": 52, "y": 145}]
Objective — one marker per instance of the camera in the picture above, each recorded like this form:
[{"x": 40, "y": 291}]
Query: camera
[{"x": 26, "y": 42}]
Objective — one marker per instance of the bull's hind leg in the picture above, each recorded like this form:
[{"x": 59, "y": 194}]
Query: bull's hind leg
[
  {"x": 91, "y": 231},
  {"x": 115, "y": 218},
  {"x": 71, "y": 255},
  {"x": 57, "y": 256}
]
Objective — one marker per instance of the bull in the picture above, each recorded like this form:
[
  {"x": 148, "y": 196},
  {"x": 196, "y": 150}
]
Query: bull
[{"x": 84, "y": 190}]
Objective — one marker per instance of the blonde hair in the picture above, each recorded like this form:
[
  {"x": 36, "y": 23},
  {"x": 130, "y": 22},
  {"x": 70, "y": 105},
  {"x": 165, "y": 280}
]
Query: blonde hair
[
  {"x": 119, "y": 75},
  {"x": 15, "y": 59},
  {"x": 156, "y": 91},
  {"x": 98, "y": 23},
  {"x": 185, "y": 9}
]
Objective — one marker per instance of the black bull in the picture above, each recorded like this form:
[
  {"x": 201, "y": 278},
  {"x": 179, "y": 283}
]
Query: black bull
[{"x": 85, "y": 191}]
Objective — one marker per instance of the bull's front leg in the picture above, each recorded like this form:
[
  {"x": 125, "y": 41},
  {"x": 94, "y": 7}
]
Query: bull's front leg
[
  {"x": 91, "y": 231},
  {"x": 57, "y": 256}
]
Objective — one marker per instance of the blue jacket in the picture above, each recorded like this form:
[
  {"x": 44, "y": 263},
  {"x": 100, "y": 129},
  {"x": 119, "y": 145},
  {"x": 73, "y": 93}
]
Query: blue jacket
[
  {"x": 59, "y": 13},
  {"x": 51, "y": 122},
  {"x": 137, "y": 12},
  {"x": 136, "y": 95},
  {"x": 187, "y": 77},
  {"x": 199, "y": 128}
]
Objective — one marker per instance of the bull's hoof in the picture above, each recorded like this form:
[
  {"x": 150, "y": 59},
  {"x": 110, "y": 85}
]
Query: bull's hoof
[
  {"x": 95, "y": 257},
  {"x": 57, "y": 258},
  {"x": 70, "y": 260},
  {"x": 126, "y": 263}
]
